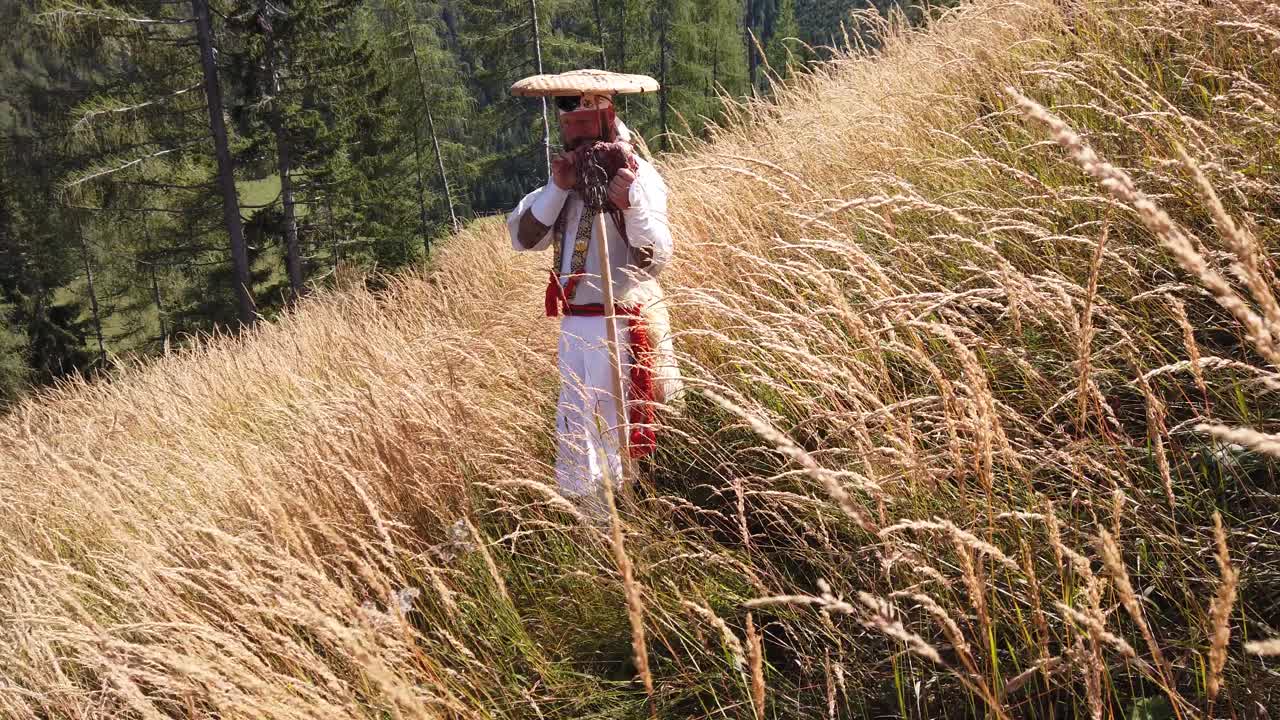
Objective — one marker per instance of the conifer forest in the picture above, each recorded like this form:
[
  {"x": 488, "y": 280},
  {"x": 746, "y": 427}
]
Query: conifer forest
[{"x": 176, "y": 167}]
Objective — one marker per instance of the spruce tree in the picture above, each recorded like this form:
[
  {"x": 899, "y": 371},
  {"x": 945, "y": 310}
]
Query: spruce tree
[
  {"x": 43, "y": 324},
  {"x": 497, "y": 45},
  {"x": 152, "y": 135},
  {"x": 778, "y": 51},
  {"x": 225, "y": 178},
  {"x": 14, "y": 372},
  {"x": 432, "y": 91},
  {"x": 723, "y": 57},
  {"x": 631, "y": 47},
  {"x": 294, "y": 64},
  {"x": 664, "y": 24},
  {"x": 91, "y": 289},
  {"x": 700, "y": 55},
  {"x": 14, "y": 369}
]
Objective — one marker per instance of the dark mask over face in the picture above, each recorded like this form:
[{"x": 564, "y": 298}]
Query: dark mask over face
[{"x": 587, "y": 126}]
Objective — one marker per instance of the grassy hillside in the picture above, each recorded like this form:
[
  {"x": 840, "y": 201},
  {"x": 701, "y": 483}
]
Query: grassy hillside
[{"x": 983, "y": 344}]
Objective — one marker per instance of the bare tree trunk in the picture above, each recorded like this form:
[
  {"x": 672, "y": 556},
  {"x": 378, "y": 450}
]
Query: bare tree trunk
[
  {"x": 664, "y": 93},
  {"x": 293, "y": 258},
  {"x": 622, "y": 48},
  {"x": 417, "y": 158},
  {"x": 226, "y": 171},
  {"x": 422, "y": 187},
  {"x": 155, "y": 284},
  {"x": 333, "y": 234},
  {"x": 93, "y": 297},
  {"x": 417, "y": 153},
  {"x": 715, "y": 67},
  {"x": 444, "y": 179},
  {"x": 537, "y": 48},
  {"x": 435, "y": 141},
  {"x": 604, "y": 63}
]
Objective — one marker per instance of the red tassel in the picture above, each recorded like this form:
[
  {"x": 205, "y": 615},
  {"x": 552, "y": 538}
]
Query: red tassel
[
  {"x": 641, "y": 414},
  {"x": 553, "y": 295}
]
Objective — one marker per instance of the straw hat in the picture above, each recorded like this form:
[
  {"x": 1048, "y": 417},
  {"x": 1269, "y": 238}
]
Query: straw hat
[{"x": 584, "y": 82}]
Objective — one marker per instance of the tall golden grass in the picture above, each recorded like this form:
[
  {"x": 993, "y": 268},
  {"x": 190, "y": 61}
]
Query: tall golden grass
[{"x": 982, "y": 340}]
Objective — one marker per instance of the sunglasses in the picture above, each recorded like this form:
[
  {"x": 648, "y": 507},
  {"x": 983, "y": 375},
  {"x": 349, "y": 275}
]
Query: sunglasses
[{"x": 568, "y": 103}]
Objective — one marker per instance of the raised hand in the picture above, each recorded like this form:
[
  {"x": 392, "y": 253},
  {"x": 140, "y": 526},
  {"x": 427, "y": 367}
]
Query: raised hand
[
  {"x": 564, "y": 171},
  {"x": 620, "y": 188}
]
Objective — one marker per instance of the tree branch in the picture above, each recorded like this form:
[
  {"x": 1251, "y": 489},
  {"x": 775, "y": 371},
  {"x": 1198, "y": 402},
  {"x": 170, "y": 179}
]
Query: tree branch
[
  {"x": 110, "y": 171},
  {"x": 89, "y": 116},
  {"x": 76, "y": 11}
]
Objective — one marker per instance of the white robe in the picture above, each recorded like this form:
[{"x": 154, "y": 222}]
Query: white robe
[{"x": 587, "y": 447}]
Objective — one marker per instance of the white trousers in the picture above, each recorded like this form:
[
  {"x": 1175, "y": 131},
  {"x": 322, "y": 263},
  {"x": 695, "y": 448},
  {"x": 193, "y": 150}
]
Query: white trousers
[{"x": 587, "y": 416}]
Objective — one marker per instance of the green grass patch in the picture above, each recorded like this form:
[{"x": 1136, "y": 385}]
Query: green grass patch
[{"x": 255, "y": 194}]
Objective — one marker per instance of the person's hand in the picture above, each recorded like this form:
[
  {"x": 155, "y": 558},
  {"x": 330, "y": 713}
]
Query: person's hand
[
  {"x": 564, "y": 171},
  {"x": 620, "y": 188}
]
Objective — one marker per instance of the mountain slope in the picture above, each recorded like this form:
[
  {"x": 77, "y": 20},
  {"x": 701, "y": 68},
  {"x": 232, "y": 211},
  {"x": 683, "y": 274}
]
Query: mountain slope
[{"x": 941, "y": 448}]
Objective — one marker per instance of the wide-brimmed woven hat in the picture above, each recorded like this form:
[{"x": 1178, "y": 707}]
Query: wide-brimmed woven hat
[{"x": 584, "y": 82}]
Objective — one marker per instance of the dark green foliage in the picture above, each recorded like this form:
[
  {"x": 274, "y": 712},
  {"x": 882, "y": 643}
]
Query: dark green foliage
[
  {"x": 395, "y": 117},
  {"x": 308, "y": 89},
  {"x": 823, "y": 23},
  {"x": 42, "y": 333},
  {"x": 707, "y": 57},
  {"x": 14, "y": 371},
  {"x": 781, "y": 53}
]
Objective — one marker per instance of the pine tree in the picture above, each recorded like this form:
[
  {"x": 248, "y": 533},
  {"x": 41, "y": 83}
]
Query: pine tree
[
  {"x": 14, "y": 373},
  {"x": 153, "y": 135},
  {"x": 700, "y": 55},
  {"x": 536, "y": 33},
  {"x": 723, "y": 56},
  {"x": 226, "y": 170},
  {"x": 599, "y": 21},
  {"x": 631, "y": 47},
  {"x": 820, "y": 20},
  {"x": 292, "y": 66},
  {"x": 506, "y": 134},
  {"x": 92, "y": 291},
  {"x": 41, "y": 328},
  {"x": 665, "y": 22},
  {"x": 430, "y": 62},
  {"x": 778, "y": 52},
  {"x": 755, "y": 15}
]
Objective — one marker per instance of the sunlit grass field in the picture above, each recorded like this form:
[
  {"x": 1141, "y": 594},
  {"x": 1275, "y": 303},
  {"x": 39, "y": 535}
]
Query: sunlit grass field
[{"x": 982, "y": 345}]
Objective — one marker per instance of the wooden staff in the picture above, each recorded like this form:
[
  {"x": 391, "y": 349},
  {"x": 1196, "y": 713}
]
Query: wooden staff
[{"x": 615, "y": 357}]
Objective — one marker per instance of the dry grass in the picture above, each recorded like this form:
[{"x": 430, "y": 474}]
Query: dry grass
[{"x": 973, "y": 373}]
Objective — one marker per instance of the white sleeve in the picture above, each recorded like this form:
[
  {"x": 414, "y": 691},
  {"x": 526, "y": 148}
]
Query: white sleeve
[
  {"x": 646, "y": 219},
  {"x": 546, "y": 203}
]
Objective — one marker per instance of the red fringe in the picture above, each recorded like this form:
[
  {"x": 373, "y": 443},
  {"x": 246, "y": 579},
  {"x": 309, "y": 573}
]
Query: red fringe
[
  {"x": 553, "y": 295},
  {"x": 557, "y": 297},
  {"x": 570, "y": 287},
  {"x": 641, "y": 413}
]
